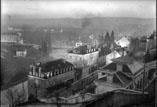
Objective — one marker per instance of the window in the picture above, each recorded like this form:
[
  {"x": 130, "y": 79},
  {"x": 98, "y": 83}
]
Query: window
[
  {"x": 51, "y": 74},
  {"x": 60, "y": 71},
  {"x": 56, "y": 72},
  {"x": 67, "y": 69}
]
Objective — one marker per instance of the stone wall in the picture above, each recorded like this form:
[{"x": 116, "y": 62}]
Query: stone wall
[{"x": 15, "y": 94}]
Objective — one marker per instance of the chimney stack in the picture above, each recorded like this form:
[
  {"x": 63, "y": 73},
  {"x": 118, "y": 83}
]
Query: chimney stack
[
  {"x": 34, "y": 67},
  {"x": 48, "y": 75},
  {"x": 39, "y": 71},
  {"x": 31, "y": 69}
]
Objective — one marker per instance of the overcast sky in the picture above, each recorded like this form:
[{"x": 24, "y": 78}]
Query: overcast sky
[{"x": 78, "y": 9}]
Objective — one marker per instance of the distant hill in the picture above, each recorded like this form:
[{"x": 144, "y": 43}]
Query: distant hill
[{"x": 86, "y": 26}]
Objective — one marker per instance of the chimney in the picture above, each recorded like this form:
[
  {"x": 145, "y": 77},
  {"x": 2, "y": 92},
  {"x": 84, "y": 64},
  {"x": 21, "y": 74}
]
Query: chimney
[
  {"x": 48, "y": 75},
  {"x": 36, "y": 74},
  {"x": 147, "y": 41},
  {"x": 39, "y": 71},
  {"x": 34, "y": 70},
  {"x": 51, "y": 74},
  {"x": 31, "y": 69}
]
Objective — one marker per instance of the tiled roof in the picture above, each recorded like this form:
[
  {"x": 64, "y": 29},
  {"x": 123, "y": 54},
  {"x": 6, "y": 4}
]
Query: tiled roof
[
  {"x": 17, "y": 79},
  {"x": 9, "y": 33},
  {"x": 112, "y": 66},
  {"x": 125, "y": 59},
  {"x": 130, "y": 62},
  {"x": 54, "y": 65},
  {"x": 79, "y": 50}
]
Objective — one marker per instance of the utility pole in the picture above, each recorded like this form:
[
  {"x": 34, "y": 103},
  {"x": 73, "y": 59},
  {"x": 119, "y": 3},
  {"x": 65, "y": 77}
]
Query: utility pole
[
  {"x": 143, "y": 78},
  {"x": 144, "y": 65}
]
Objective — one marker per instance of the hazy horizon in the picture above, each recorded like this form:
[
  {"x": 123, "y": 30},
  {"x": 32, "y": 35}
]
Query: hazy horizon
[{"x": 78, "y": 9}]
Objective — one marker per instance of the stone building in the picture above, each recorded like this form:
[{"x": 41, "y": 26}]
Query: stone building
[
  {"x": 11, "y": 37},
  {"x": 48, "y": 75},
  {"x": 83, "y": 56}
]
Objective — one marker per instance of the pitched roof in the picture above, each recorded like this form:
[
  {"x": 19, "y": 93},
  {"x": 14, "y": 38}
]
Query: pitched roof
[
  {"x": 123, "y": 39},
  {"x": 135, "y": 67}
]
